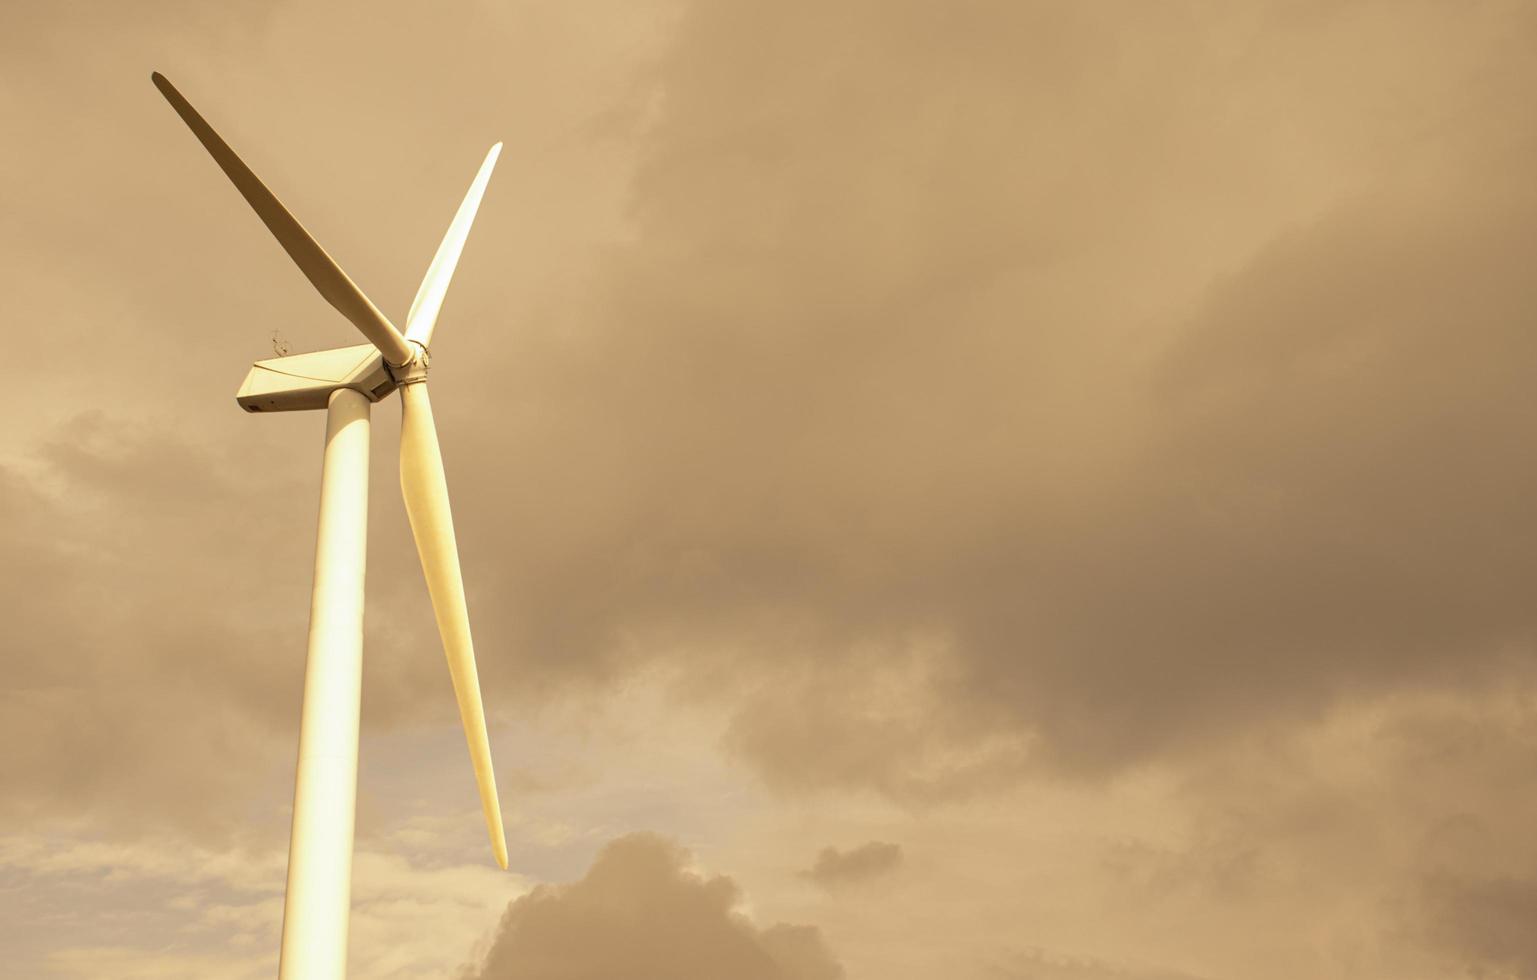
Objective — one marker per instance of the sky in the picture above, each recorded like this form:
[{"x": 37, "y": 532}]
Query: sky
[{"x": 992, "y": 489}]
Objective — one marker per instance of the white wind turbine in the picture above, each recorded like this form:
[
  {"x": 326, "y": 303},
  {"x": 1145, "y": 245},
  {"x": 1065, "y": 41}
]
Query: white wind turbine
[{"x": 345, "y": 382}]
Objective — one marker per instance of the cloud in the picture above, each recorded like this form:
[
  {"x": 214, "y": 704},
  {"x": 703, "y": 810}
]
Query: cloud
[
  {"x": 1041, "y": 363},
  {"x": 1485, "y": 924},
  {"x": 136, "y": 689},
  {"x": 129, "y": 963},
  {"x": 1387, "y": 835},
  {"x": 1041, "y": 965},
  {"x": 858, "y": 864},
  {"x": 640, "y": 912}
]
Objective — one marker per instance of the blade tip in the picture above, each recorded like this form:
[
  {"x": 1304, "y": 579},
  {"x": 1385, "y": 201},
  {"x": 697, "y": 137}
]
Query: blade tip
[{"x": 166, "y": 88}]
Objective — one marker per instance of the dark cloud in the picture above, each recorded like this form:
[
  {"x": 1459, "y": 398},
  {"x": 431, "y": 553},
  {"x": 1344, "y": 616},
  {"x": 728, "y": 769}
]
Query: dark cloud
[
  {"x": 1327, "y": 507},
  {"x": 640, "y": 912},
  {"x": 135, "y": 689},
  {"x": 1133, "y": 382},
  {"x": 1472, "y": 876},
  {"x": 1485, "y": 925},
  {"x": 874, "y": 859}
]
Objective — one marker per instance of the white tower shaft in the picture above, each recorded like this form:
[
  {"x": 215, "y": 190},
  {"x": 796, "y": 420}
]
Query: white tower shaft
[{"x": 319, "y": 889}]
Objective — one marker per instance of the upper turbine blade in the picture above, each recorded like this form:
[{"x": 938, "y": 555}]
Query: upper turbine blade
[
  {"x": 429, "y": 296},
  {"x": 312, "y": 260},
  {"x": 426, "y": 494}
]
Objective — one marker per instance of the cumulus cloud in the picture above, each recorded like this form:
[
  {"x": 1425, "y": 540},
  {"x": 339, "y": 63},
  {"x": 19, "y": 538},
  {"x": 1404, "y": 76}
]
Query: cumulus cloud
[
  {"x": 857, "y": 864},
  {"x": 641, "y": 912},
  {"x": 162, "y": 908}
]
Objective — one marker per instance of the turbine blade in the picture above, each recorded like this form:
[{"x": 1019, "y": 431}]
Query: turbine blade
[
  {"x": 432, "y": 524},
  {"x": 321, "y": 270},
  {"x": 429, "y": 296}
]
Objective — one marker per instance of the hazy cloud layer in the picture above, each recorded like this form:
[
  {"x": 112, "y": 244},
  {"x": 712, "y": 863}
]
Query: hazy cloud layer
[
  {"x": 640, "y": 912},
  {"x": 163, "y": 909}
]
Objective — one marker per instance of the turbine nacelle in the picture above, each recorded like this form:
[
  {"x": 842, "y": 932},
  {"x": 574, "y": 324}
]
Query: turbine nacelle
[{"x": 304, "y": 382}]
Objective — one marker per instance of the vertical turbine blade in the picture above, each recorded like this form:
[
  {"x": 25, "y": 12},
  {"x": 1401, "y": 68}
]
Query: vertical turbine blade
[
  {"x": 321, "y": 270},
  {"x": 429, "y": 296},
  {"x": 426, "y": 494}
]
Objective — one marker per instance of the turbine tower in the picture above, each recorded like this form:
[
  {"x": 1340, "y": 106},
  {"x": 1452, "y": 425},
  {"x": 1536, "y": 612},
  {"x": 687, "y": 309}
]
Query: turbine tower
[{"x": 345, "y": 382}]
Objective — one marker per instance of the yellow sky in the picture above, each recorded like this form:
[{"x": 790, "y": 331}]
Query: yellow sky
[{"x": 977, "y": 489}]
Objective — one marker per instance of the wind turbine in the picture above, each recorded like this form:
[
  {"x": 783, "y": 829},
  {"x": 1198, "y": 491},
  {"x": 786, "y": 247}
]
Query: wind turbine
[{"x": 345, "y": 382}]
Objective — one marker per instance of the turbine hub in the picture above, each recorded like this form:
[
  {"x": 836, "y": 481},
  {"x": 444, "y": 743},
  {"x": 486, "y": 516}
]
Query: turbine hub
[{"x": 414, "y": 370}]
